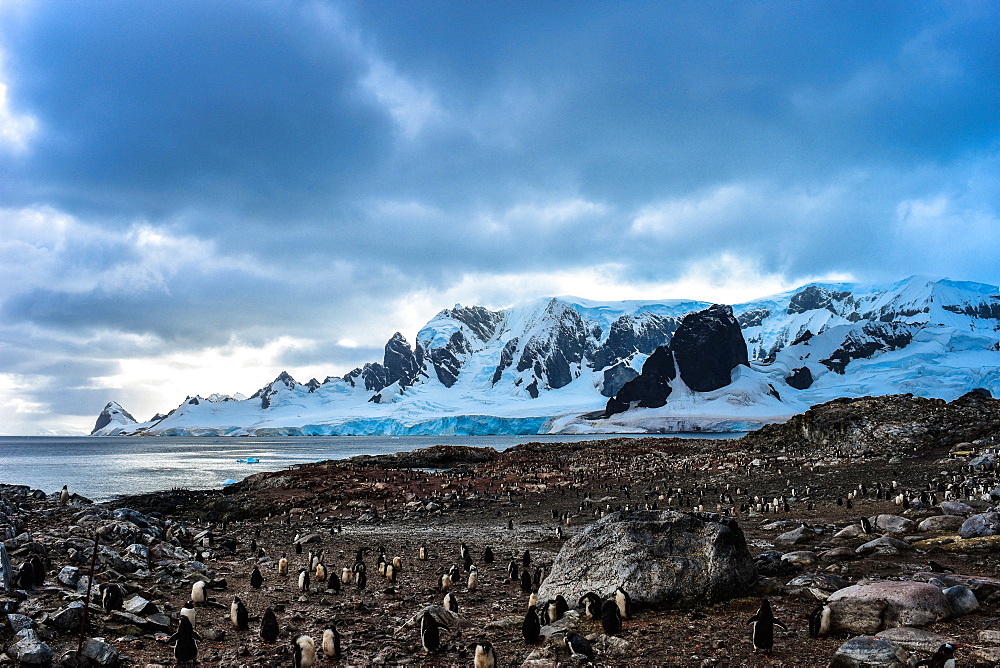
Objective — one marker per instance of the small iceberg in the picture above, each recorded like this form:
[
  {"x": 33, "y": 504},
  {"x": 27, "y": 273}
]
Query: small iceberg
[
  {"x": 227, "y": 482},
  {"x": 249, "y": 460}
]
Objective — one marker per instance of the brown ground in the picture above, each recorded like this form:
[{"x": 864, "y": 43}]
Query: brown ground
[{"x": 355, "y": 506}]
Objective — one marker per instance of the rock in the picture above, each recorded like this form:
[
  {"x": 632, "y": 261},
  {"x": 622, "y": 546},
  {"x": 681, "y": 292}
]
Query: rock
[
  {"x": 137, "y": 605},
  {"x": 19, "y": 623},
  {"x": 961, "y": 599},
  {"x": 803, "y": 534},
  {"x": 99, "y": 652},
  {"x": 801, "y": 559},
  {"x": 873, "y": 607},
  {"x": 915, "y": 640},
  {"x": 664, "y": 558},
  {"x": 70, "y": 617},
  {"x": 981, "y": 526},
  {"x": 956, "y": 508},
  {"x": 838, "y": 554},
  {"x": 824, "y": 581},
  {"x": 941, "y": 523},
  {"x": 983, "y": 656},
  {"x": 771, "y": 563},
  {"x": 31, "y": 651},
  {"x": 310, "y": 538},
  {"x": 886, "y": 545},
  {"x": 6, "y": 573},
  {"x": 850, "y": 532},
  {"x": 893, "y": 524},
  {"x": 69, "y": 576},
  {"x": 991, "y": 637},
  {"x": 869, "y": 652}
]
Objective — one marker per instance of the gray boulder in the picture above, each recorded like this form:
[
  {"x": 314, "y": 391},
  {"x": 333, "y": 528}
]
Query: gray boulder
[
  {"x": 875, "y": 606},
  {"x": 99, "y": 652},
  {"x": 886, "y": 545},
  {"x": 70, "y": 617},
  {"x": 6, "y": 574},
  {"x": 984, "y": 524},
  {"x": 663, "y": 558},
  {"x": 869, "y": 652},
  {"x": 956, "y": 508},
  {"x": 893, "y": 524},
  {"x": 802, "y": 534},
  {"x": 30, "y": 651},
  {"x": 69, "y": 576},
  {"x": 914, "y": 640},
  {"x": 941, "y": 523},
  {"x": 961, "y": 599}
]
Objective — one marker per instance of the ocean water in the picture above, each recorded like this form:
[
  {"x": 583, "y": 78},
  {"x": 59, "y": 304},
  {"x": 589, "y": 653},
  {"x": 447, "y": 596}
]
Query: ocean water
[{"x": 101, "y": 468}]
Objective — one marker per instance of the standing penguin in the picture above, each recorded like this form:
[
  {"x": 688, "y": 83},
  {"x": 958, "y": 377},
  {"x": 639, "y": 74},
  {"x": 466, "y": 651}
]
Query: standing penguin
[
  {"x": 422, "y": 555},
  {"x": 430, "y": 633},
  {"x": 198, "y": 592},
  {"x": 269, "y": 626},
  {"x": 526, "y": 581},
  {"x": 185, "y": 647},
  {"x": 256, "y": 579},
  {"x": 238, "y": 615},
  {"x": 333, "y": 582},
  {"x": 303, "y": 652},
  {"x": 450, "y": 603},
  {"x": 444, "y": 582},
  {"x": 624, "y": 602},
  {"x": 320, "y": 570},
  {"x": 611, "y": 618},
  {"x": 345, "y": 575},
  {"x": 485, "y": 656},
  {"x": 531, "y": 627},
  {"x": 944, "y": 657},
  {"x": 39, "y": 569},
  {"x": 361, "y": 579},
  {"x": 762, "y": 628},
  {"x": 591, "y": 604},
  {"x": 473, "y": 578},
  {"x": 112, "y": 597},
  {"x": 819, "y": 622},
  {"x": 26, "y": 576},
  {"x": 64, "y": 495},
  {"x": 579, "y": 646},
  {"x": 512, "y": 571},
  {"x": 283, "y": 565},
  {"x": 188, "y": 612},
  {"x": 303, "y": 580},
  {"x": 488, "y": 555},
  {"x": 331, "y": 643}
]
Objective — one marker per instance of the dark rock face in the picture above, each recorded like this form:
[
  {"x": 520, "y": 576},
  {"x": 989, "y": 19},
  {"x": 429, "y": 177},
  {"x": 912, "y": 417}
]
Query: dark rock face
[
  {"x": 753, "y": 318},
  {"x": 987, "y": 309},
  {"x": 400, "y": 363},
  {"x": 615, "y": 378},
  {"x": 506, "y": 359},
  {"x": 707, "y": 347},
  {"x": 265, "y": 393},
  {"x": 641, "y": 333},
  {"x": 482, "y": 321},
  {"x": 554, "y": 351},
  {"x": 801, "y": 378},
  {"x": 447, "y": 361},
  {"x": 662, "y": 558},
  {"x": 481, "y": 324},
  {"x": 871, "y": 338},
  {"x": 814, "y": 297},
  {"x": 111, "y": 410}
]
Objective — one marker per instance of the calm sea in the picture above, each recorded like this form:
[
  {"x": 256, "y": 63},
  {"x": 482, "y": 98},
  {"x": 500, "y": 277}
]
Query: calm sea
[{"x": 101, "y": 468}]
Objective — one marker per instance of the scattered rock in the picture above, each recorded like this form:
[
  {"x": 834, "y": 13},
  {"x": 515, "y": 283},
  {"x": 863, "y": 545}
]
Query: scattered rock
[
  {"x": 981, "y": 526},
  {"x": 915, "y": 640},
  {"x": 873, "y": 607},
  {"x": 869, "y": 652},
  {"x": 940, "y": 523}
]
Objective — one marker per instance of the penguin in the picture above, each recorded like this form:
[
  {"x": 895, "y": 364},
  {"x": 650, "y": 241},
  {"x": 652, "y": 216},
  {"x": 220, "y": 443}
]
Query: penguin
[
  {"x": 579, "y": 646},
  {"x": 269, "y": 626},
  {"x": 819, "y": 622},
  {"x": 362, "y": 579},
  {"x": 526, "y": 559},
  {"x": 316, "y": 559},
  {"x": 283, "y": 565},
  {"x": 422, "y": 554},
  {"x": 485, "y": 656},
  {"x": 454, "y": 573},
  {"x": 450, "y": 602},
  {"x": 256, "y": 579},
  {"x": 488, "y": 555},
  {"x": 444, "y": 582},
  {"x": 397, "y": 564},
  {"x": 939, "y": 568},
  {"x": 430, "y": 633},
  {"x": 185, "y": 647},
  {"x": 39, "y": 569},
  {"x": 64, "y": 495},
  {"x": 298, "y": 548},
  {"x": 536, "y": 579},
  {"x": 591, "y": 603},
  {"x": 390, "y": 573},
  {"x": 112, "y": 597},
  {"x": 303, "y": 580},
  {"x": 611, "y": 618},
  {"x": 762, "y": 628},
  {"x": 26, "y": 576},
  {"x": 624, "y": 602},
  {"x": 533, "y": 599},
  {"x": 463, "y": 552},
  {"x": 238, "y": 615},
  {"x": 345, "y": 575},
  {"x": 512, "y": 571},
  {"x": 468, "y": 562},
  {"x": 331, "y": 643},
  {"x": 188, "y": 611},
  {"x": 198, "y": 593},
  {"x": 303, "y": 652},
  {"x": 473, "y": 578},
  {"x": 333, "y": 582},
  {"x": 320, "y": 571},
  {"x": 526, "y": 581},
  {"x": 531, "y": 627},
  {"x": 944, "y": 657},
  {"x": 866, "y": 526}
]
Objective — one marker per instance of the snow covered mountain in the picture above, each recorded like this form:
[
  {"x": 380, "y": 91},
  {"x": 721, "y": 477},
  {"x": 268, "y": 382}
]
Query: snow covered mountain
[{"x": 551, "y": 365}]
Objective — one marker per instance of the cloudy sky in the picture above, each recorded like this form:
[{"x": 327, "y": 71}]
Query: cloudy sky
[{"x": 195, "y": 196}]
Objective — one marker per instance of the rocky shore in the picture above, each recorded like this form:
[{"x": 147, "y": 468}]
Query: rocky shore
[{"x": 832, "y": 506}]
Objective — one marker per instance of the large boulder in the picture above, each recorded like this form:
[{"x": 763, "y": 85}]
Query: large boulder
[
  {"x": 661, "y": 558},
  {"x": 978, "y": 526},
  {"x": 875, "y": 606},
  {"x": 868, "y": 652}
]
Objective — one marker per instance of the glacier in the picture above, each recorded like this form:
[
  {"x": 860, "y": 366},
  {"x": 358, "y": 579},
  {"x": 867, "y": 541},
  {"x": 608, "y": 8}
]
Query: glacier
[{"x": 547, "y": 366}]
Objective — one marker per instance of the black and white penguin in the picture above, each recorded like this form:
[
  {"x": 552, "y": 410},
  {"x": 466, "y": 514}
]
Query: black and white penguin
[
  {"x": 303, "y": 652},
  {"x": 269, "y": 626},
  {"x": 484, "y": 656},
  {"x": 320, "y": 570},
  {"x": 473, "y": 582},
  {"x": 283, "y": 565},
  {"x": 454, "y": 573},
  {"x": 112, "y": 596},
  {"x": 361, "y": 580},
  {"x": 256, "y": 579},
  {"x": 26, "y": 576},
  {"x": 185, "y": 647},
  {"x": 866, "y": 526},
  {"x": 430, "y": 633},
  {"x": 762, "y": 628},
  {"x": 819, "y": 622},
  {"x": 333, "y": 582},
  {"x": 463, "y": 552},
  {"x": 39, "y": 569},
  {"x": 238, "y": 615},
  {"x": 579, "y": 646},
  {"x": 591, "y": 603},
  {"x": 536, "y": 579},
  {"x": 298, "y": 548},
  {"x": 444, "y": 582},
  {"x": 526, "y": 559},
  {"x": 303, "y": 580},
  {"x": 64, "y": 496},
  {"x": 531, "y": 627},
  {"x": 939, "y": 568},
  {"x": 188, "y": 611},
  {"x": 422, "y": 554},
  {"x": 450, "y": 603},
  {"x": 198, "y": 592},
  {"x": 488, "y": 555},
  {"x": 512, "y": 571},
  {"x": 944, "y": 657},
  {"x": 624, "y": 602},
  {"x": 345, "y": 575},
  {"x": 331, "y": 643},
  {"x": 611, "y": 618},
  {"x": 526, "y": 581}
]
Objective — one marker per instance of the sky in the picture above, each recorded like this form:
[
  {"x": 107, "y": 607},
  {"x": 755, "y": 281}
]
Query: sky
[{"x": 196, "y": 196}]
